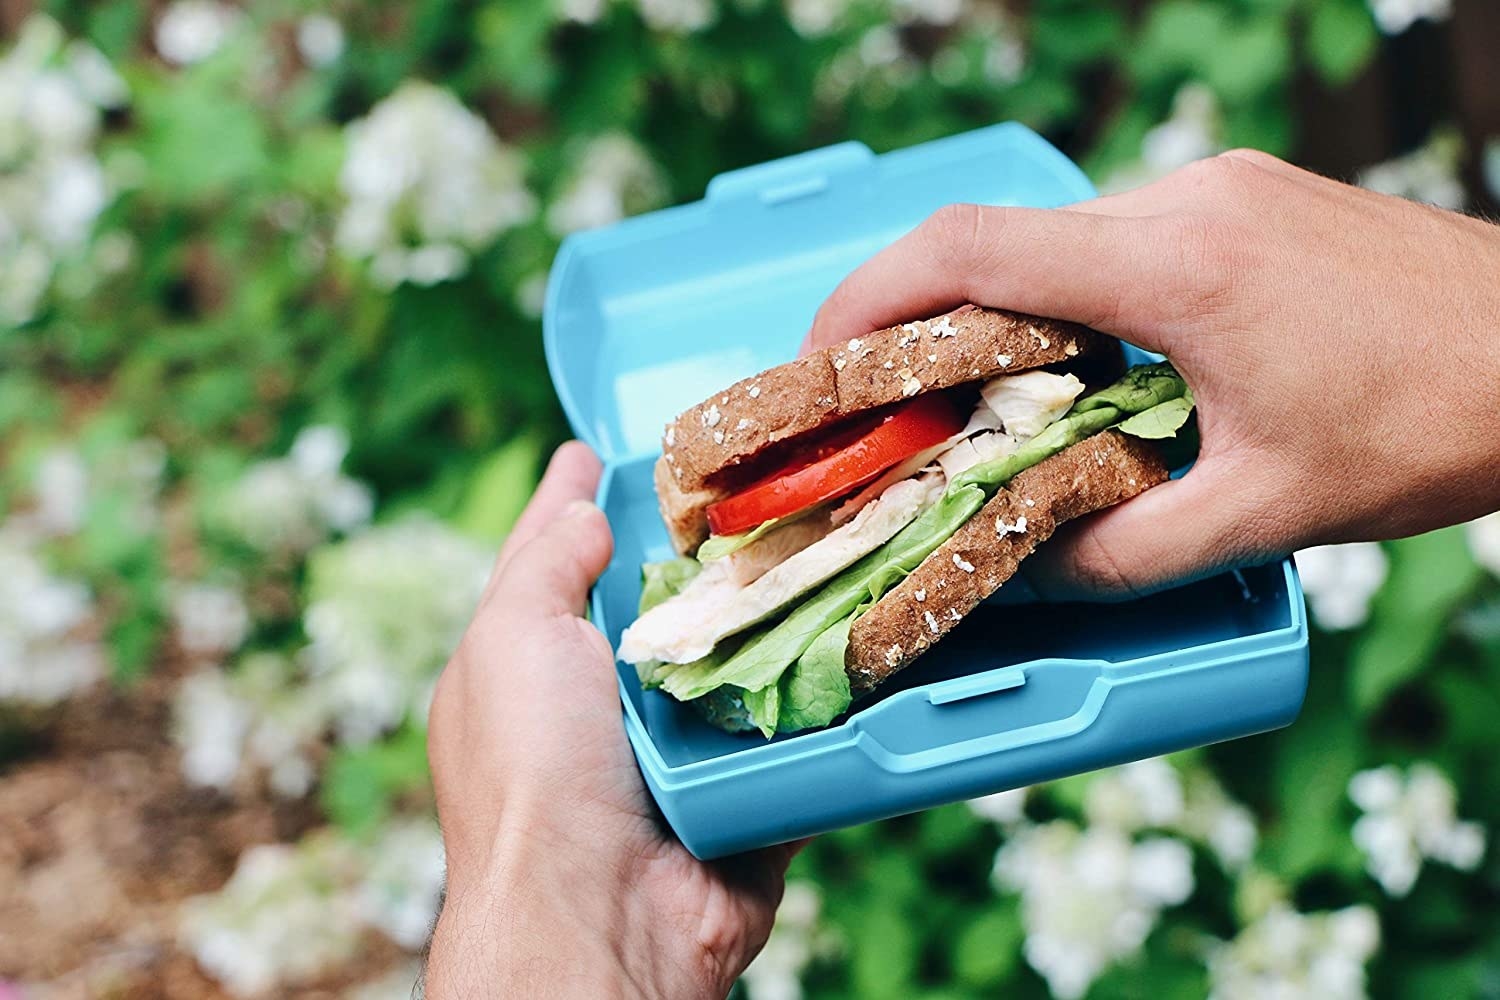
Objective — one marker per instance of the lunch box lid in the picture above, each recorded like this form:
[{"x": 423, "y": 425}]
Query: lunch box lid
[{"x": 647, "y": 317}]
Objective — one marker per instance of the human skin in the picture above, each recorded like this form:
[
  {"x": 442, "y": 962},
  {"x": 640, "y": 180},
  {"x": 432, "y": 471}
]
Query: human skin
[
  {"x": 1344, "y": 350},
  {"x": 562, "y": 880}
]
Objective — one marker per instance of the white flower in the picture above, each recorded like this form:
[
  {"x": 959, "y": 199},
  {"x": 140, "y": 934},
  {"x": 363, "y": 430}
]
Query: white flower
[
  {"x": 211, "y": 620},
  {"x": 210, "y": 727},
  {"x": 231, "y": 724},
  {"x": 43, "y": 659},
  {"x": 190, "y": 31},
  {"x": 612, "y": 177},
  {"x": 1004, "y": 808},
  {"x": 1145, "y": 794},
  {"x": 812, "y": 18},
  {"x": 61, "y": 488},
  {"x": 294, "y": 503},
  {"x": 320, "y": 39},
  {"x": 1340, "y": 581},
  {"x": 531, "y": 294},
  {"x": 582, "y": 11},
  {"x": 427, "y": 184},
  {"x": 935, "y": 12},
  {"x": 403, "y": 885},
  {"x": 1395, "y": 16},
  {"x": 1429, "y": 174},
  {"x": 384, "y": 612},
  {"x": 1286, "y": 955},
  {"x": 1484, "y": 541},
  {"x": 681, "y": 16},
  {"x": 1089, "y": 898},
  {"x": 286, "y": 915},
  {"x": 1410, "y": 818},
  {"x": 776, "y": 973},
  {"x": 1227, "y": 827},
  {"x": 52, "y": 187}
]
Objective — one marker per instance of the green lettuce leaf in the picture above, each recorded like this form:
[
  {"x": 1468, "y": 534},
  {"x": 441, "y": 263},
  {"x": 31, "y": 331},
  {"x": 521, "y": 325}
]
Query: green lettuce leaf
[
  {"x": 816, "y": 689},
  {"x": 1161, "y": 421},
  {"x": 762, "y": 660},
  {"x": 1140, "y": 388},
  {"x": 663, "y": 580},
  {"x": 726, "y": 709},
  {"x": 719, "y": 546},
  {"x": 764, "y": 708},
  {"x": 659, "y": 582}
]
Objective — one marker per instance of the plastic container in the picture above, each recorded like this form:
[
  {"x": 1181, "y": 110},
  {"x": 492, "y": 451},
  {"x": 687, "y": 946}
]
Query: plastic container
[{"x": 648, "y": 317}]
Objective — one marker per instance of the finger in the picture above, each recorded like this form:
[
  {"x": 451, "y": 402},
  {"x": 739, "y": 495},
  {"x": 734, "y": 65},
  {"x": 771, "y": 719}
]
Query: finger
[
  {"x": 551, "y": 573},
  {"x": 1108, "y": 272},
  {"x": 1180, "y": 531},
  {"x": 572, "y": 474}
]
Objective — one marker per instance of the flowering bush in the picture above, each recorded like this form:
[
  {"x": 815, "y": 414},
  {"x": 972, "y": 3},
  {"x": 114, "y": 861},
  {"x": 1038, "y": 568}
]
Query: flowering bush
[{"x": 271, "y": 394}]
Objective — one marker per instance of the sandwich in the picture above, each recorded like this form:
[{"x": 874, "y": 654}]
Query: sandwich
[{"x": 836, "y": 516}]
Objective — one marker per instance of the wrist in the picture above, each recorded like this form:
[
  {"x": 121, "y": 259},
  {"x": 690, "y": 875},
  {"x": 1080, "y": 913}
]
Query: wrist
[
  {"x": 500, "y": 937},
  {"x": 541, "y": 916}
]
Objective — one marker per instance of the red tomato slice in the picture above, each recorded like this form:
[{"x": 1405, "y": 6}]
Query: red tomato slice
[{"x": 909, "y": 428}]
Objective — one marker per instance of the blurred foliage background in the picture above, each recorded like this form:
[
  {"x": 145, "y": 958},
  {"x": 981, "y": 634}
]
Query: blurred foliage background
[{"x": 271, "y": 393}]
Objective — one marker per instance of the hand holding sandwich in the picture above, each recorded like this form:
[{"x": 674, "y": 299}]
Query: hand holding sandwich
[
  {"x": 1341, "y": 347},
  {"x": 562, "y": 882}
]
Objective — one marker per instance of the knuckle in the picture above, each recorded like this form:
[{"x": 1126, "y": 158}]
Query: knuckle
[
  {"x": 953, "y": 234},
  {"x": 1253, "y": 157},
  {"x": 1225, "y": 177}
]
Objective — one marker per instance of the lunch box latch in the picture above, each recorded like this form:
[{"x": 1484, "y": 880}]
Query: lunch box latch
[
  {"x": 964, "y": 688},
  {"x": 791, "y": 178}
]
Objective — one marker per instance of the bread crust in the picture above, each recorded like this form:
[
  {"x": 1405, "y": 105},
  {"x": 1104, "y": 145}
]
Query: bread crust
[
  {"x": 1098, "y": 472},
  {"x": 702, "y": 448}
]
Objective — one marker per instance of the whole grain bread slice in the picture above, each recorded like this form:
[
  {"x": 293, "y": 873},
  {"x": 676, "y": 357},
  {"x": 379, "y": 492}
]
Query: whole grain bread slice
[
  {"x": 1098, "y": 472},
  {"x": 706, "y": 444}
]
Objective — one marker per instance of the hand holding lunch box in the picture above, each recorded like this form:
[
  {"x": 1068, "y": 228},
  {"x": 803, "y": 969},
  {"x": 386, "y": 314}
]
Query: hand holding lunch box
[{"x": 1341, "y": 352}]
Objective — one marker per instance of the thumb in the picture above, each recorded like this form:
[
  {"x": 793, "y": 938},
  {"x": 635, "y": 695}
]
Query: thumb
[
  {"x": 552, "y": 572},
  {"x": 1183, "y": 530}
]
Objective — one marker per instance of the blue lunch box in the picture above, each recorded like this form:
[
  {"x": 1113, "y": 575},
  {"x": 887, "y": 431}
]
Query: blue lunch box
[{"x": 648, "y": 317}]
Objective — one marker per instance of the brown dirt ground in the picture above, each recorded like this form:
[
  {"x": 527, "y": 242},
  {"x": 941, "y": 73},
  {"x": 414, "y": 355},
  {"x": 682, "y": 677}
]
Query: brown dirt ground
[{"x": 100, "y": 840}]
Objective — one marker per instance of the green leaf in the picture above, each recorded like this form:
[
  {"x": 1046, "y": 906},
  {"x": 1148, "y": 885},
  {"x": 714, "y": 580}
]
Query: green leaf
[
  {"x": 766, "y": 655},
  {"x": 201, "y": 139},
  {"x": 1341, "y": 39},
  {"x": 1252, "y": 57},
  {"x": 719, "y": 546},
  {"x": 764, "y": 707},
  {"x": 889, "y": 969},
  {"x": 1179, "y": 35},
  {"x": 663, "y": 580},
  {"x": 499, "y": 489},
  {"x": 816, "y": 689},
  {"x": 986, "y": 950},
  {"x": 1430, "y": 577},
  {"x": 1312, "y": 762},
  {"x": 1159, "y": 422},
  {"x": 360, "y": 783}
]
